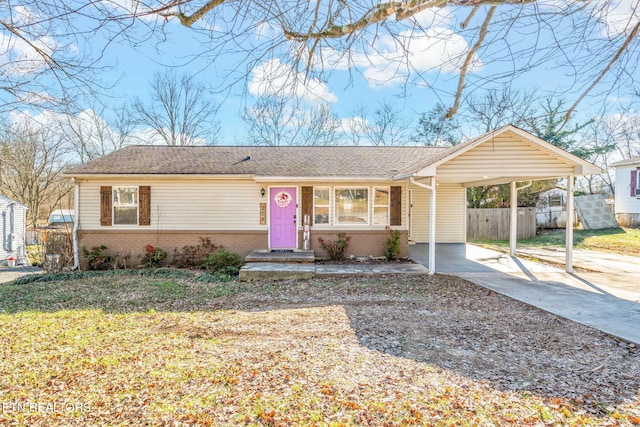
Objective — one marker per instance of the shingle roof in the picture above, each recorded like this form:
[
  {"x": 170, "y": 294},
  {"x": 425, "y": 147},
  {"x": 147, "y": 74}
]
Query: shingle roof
[
  {"x": 627, "y": 162},
  {"x": 299, "y": 161}
]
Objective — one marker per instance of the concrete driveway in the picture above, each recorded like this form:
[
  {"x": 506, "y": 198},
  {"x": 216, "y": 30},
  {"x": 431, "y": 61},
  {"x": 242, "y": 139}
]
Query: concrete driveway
[
  {"x": 8, "y": 274},
  {"x": 608, "y": 301}
]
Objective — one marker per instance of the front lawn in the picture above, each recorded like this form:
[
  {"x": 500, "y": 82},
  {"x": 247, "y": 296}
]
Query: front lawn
[
  {"x": 178, "y": 349},
  {"x": 624, "y": 241}
]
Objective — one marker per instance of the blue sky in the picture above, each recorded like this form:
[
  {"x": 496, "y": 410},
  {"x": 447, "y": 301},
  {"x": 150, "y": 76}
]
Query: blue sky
[{"x": 369, "y": 80}]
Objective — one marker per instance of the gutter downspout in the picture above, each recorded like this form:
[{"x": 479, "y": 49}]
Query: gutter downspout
[
  {"x": 513, "y": 213},
  {"x": 76, "y": 223},
  {"x": 432, "y": 220}
]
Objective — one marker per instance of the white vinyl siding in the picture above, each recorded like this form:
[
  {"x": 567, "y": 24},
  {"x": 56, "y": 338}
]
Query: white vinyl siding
[
  {"x": 506, "y": 155},
  {"x": 188, "y": 204},
  {"x": 624, "y": 203},
  {"x": 451, "y": 215},
  {"x": 208, "y": 204},
  {"x": 15, "y": 221}
]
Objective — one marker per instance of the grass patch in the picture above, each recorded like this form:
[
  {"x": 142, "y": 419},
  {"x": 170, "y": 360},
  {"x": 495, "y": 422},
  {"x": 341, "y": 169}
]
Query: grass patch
[
  {"x": 624, "y": 241},
  {"x": 173, "y": 348}
]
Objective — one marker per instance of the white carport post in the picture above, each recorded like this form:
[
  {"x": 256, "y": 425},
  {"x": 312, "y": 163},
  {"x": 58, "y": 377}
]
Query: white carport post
[
  {"x": 513, "y": 219},
  {"x": 569, "y": 235},
  {"x": 432, "y": 220},
  {"x": 513, "y": 216}
]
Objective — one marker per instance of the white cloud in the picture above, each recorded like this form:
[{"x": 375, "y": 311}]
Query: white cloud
[
  {"x": 266, "y": 30},
  {"x": 135, "y": 8},
  {"x": 21, "y": 57},
  {"x": 616, "y": 17},
  {"x": 353, "y": 124},
  {"x": 19, "y": 54},
  {"x": 430, "y": 46},
  {"x": 275, "y": 78}
]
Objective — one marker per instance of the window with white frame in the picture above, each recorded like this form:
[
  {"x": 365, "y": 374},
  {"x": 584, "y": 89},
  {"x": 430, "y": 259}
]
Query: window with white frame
[
  {"x": 637, "y": 180},
  {"x": 555, "y": 200},
  {"x": 381, "y": 205},
  {"x": 321, "y": 205},
  {"x": 352, "y": 206},
  {"x": 125, "y": 205}
]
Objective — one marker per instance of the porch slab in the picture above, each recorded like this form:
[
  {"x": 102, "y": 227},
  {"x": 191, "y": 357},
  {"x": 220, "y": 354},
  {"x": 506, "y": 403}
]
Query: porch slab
[
  {"x": 363, "y": 269},
  {"x": 297, "y": 271},
  {"x": 268, "y": 256}
]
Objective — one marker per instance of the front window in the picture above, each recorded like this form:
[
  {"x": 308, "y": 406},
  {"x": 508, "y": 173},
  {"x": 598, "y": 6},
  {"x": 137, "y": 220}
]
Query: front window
[
  {"x": 381, "y": 206},
  {"x": 125, "y": 206},
  {"x": 321, "y": 205},
  {"x": 352, "y": 206}
]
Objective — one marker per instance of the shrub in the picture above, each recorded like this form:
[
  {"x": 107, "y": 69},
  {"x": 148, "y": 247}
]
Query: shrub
[
  {"x": 392, "y": 245},
  {"x": 97, "y": 258},
  {"x": 223, "y": 262},
  {"x": 152, "y": 256},
  {"x": 337, "y": 248},
  {"x": 193, "y": 255}
]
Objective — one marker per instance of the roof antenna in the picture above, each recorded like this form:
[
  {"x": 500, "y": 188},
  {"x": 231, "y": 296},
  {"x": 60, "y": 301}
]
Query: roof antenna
[{"x": 243, "y": 160}]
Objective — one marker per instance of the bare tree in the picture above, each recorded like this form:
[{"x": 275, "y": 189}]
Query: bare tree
[
  {"x": 596, "y": 42},
  {"x": 271, "y": 121},
  {"x": 31, "y": 170},
  {"x": 180, "y": 111},
  {"x": 435, "y": 128},
  {"x": 500, "y": 107},
  {"x": 320, "y": 126},
  {"x": 89, "y": 135},
  {"x": 355, "y": 127}
]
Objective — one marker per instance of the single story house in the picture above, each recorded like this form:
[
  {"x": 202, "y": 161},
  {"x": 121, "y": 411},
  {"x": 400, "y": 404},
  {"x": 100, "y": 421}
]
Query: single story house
[
  {"x": 247, "y": 198},
  {"x": 627, "y": 198},
  {"x": 13, "y": 215}
]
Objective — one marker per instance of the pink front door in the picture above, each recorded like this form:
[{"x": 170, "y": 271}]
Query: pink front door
[{"x": 282, "y": 218}]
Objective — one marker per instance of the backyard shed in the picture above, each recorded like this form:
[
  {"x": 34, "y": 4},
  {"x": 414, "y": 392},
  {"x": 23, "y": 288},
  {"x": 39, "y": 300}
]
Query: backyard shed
[{"x": 13, "y": 217}]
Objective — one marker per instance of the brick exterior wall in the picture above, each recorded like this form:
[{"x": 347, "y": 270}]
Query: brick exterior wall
[
  {"x": 132, "y": 242},
  {"x": 363, "y": 243}
]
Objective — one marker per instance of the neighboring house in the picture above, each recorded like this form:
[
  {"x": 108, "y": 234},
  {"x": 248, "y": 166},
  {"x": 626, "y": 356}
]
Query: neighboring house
[
  {"x": 247, "y": 198},
  {"x": 61, "y": 218},
  {"x": 627, "y": 199},
  {"x": 551, "y": 211},
  {"x": 13, "y": 227}
]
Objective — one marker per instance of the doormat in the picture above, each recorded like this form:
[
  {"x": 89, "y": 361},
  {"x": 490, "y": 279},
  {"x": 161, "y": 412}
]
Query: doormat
[{"x": 282, "y": 250}]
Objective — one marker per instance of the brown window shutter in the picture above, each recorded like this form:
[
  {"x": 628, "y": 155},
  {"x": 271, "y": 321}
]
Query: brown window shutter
[
  {"x": 105, "y": 206},
  {"x": 144, "y": 192},
  {"x": 634, "y": 182},
  {"x": 307, "y": 203},
  {"x": 395, "y": 201}
]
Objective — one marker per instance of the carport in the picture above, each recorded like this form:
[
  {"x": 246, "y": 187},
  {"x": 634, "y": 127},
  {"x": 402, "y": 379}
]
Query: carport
[{"x": 507, "y": 155}]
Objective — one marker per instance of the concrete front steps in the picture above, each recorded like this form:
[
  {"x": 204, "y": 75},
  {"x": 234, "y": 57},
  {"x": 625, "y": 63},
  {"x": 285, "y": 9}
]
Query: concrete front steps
[
  {"x": 265, "y": 264},
  {"x": 275, "y": 256},
  {"x": 299, "y": 265}
]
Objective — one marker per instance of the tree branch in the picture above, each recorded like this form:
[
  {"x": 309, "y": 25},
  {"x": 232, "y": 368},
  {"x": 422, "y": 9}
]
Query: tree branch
[
  {"x": 616, "y": 57},
  {"x": 463, "y": 71},
  {"x": 189, "y": 20}
]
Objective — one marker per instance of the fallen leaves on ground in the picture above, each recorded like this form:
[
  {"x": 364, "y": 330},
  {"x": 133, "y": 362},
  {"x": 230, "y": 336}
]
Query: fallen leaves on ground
[{"x": 386, "y": 351}]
